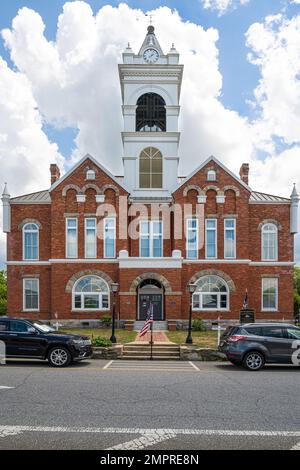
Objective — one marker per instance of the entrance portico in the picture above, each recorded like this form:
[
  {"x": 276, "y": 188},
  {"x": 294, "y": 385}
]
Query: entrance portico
[{"x": 150, "y": 291}]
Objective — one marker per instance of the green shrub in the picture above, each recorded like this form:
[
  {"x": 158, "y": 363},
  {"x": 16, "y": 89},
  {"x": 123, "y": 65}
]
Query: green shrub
[
  {"x": 100, "y": 341},
  {"x": 106, "y": 320},
  {"x": 199, "y": 325}
]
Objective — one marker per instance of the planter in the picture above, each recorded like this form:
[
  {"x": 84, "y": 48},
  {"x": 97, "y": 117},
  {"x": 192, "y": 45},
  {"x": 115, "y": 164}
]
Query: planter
[
  {"x": 111, "y": 352},
  {"x": 194, "y": 353}
]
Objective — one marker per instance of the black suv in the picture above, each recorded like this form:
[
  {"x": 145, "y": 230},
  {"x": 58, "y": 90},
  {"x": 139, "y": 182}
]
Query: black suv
[
  {"x": 34, "y": 340},
  {"x": 254, "y": 344}
]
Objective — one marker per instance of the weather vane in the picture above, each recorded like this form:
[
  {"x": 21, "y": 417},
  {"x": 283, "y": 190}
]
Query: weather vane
[{"x": 151, "y": 16}]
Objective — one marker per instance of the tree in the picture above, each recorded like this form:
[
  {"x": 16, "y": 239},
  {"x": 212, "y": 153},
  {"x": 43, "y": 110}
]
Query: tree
[
  {"x": 296, "y": 291},
  {"x": 3, "y": 293}
]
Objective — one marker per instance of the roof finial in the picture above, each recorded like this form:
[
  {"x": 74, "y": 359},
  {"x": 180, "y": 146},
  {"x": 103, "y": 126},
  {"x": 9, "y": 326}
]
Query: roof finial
[
  {"x": 5, "y": 193},
  {"x": 150, "y": 15}
]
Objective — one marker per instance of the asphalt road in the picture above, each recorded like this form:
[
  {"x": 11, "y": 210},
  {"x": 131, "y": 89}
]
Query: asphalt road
[{"x": 126, "y": 405}]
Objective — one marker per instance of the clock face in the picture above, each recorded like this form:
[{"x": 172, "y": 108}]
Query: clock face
[{"x": 150, "y": 56}]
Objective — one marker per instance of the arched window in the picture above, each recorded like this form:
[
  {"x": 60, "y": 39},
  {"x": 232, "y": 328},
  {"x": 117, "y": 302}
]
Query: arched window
[
  {"x": 211, "y": 175},
  {"x": 90, "y": 174},
  {"x": 212, "y": 293},
  {"x": 151, "y": 162},
  {"x": 151, "y": 113},
  {"x": 269, "y": 242},
  {"x": 30, "y": 242},
  {"x": 90, "y": 293}
]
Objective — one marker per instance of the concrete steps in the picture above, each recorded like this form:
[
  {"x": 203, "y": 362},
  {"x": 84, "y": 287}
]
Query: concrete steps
[
  {"x": 138, "y": 351},
  {"x": 157, "y": 325}
]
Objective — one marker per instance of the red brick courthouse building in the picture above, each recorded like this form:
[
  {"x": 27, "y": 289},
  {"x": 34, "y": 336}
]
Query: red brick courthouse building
[{"x": 66, "y": 245}]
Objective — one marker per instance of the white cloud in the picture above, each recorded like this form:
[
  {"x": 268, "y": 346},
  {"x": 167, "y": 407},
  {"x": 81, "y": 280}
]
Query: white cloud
[
  {"x": 74, "y": 82},
  {"x": 25, "y": 151},
  {"x": 222, "y": 6}
]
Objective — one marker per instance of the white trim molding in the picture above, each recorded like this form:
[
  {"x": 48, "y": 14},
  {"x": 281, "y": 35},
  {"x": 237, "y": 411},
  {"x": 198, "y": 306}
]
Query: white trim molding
[{"x": 139, "y": 262}]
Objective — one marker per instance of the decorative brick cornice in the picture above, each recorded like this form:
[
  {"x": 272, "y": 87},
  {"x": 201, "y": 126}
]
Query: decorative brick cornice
[
  {"x": 87, "y": 272},
  {"x": 214, "y": 272}
]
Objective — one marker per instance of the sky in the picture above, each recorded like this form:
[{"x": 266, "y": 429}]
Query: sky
[{"x": 60, "y": 95}]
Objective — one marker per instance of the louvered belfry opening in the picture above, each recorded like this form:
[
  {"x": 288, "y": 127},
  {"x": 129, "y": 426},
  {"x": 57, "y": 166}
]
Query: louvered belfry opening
[{"x": 151, "y": 113}]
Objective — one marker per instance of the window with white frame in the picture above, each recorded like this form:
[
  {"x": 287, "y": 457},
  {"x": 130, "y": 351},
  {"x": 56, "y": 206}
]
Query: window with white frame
[
  {"x": 31, "y": 294},
  {"x": 109, "y": 237},
  {"x": 269, "y": 293},
  {"x": 269, "y": 242},
  {"x": 90, "y": 238},
  {"x": 211, "y": 238},
  {"x": 30, "y": 241},
  {"x": 212, "y": 293},
  {"x": 229, "y": 238},
  {"x": 192, "y": 238},
  {"x": 211, "y": 175},
  {"x": 90, "y": 174},
  {"x": 71, "y": 238},
  {"x": 151, "y": 239},
  {"x": 90, "y": 293}
]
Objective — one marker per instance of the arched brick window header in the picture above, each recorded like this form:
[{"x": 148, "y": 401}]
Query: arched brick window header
[
  {"x": 191, "y": 187},
  {"x": 214, "y": 272},
  {"x": 29, "y": 221},
  {"x": 87, "y": 272},
  {"x": 158, "y": 277},
  {"x": 269, "y": 221}
]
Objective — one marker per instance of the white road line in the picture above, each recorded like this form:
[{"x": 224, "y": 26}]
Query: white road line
[
  {"x": 194, "y": 365},
  {"x": 146, "y": 440},
  {"x": 3, "y": 387},
  {"x": 108, "y": 364},
  {"x": 296, "y": 446},
  {"x": 144, "y": 431}
]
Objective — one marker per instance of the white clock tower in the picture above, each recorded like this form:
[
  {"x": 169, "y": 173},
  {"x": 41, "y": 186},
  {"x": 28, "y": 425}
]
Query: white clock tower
[{"x": 150, "y": 85}]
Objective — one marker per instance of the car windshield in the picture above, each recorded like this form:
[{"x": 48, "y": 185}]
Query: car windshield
[
  {"x": 43, "y": 328},
  {"x": 294, "y": 332}
]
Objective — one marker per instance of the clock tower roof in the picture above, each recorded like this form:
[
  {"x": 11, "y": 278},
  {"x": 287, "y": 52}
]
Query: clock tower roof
[{"x": 151, "y": 41}]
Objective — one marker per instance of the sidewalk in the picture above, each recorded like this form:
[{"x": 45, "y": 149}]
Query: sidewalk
[{"x": 158, "y": 337}]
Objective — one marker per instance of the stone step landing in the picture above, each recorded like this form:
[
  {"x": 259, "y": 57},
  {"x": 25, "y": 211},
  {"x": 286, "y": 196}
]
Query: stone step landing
[
  {"x": 157, "y": 325},
  {"x": 161, "y": 351}
]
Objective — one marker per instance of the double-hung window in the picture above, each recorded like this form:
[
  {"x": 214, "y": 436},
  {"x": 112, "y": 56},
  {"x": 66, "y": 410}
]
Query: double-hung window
[
  {"x": 229, "y": 238},
  {"x": 211, "y": 238},
  {"x": 31, "y": 294},
  {"x": 30, "y": 242},
  {"x": 71, "y": 238},
  {"x": 151, "y": 238},
  {"x": 192, "y": 238},
  {"x": 269, "y": 294},
  {"x": 109, "y": 237},
  {"x": 90, "y": 238}
]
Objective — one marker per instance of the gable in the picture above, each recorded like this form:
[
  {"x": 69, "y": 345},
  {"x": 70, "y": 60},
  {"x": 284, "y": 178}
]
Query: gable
[
  {"x": 77, "y": 175},
  {"x": 199, "y": 176}
]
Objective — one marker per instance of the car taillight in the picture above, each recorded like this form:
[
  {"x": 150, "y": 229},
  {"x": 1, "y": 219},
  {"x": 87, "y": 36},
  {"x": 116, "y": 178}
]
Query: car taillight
[{"x": 236, "y": 338}]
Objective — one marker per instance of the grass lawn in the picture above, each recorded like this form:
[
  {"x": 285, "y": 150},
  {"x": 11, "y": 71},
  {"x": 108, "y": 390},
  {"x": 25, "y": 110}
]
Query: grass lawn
[
  {"x": 123, "y": 336},
  {"x": 205, "y": 339}
]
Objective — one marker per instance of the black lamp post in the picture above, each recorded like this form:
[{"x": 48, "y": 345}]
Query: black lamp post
[
  {"x": 114, "y": 289},
  {"x": 191, "y": 289}
]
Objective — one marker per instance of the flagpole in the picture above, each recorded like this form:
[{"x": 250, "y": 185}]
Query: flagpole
[{"x": 151, "y": 342}]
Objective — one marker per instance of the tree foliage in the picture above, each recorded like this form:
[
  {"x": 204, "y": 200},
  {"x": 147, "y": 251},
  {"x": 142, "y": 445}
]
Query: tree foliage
[
  {"x": 297, "y": 291},
  {"x": 3, "y": 293}
]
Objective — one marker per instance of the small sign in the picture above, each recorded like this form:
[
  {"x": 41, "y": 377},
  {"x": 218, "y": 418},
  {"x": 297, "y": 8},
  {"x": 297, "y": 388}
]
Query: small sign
[{"x": 247, "y": 315}]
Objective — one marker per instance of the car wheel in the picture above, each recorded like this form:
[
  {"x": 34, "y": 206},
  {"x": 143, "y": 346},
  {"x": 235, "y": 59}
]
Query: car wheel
[
  {"x": 59, "y": 357},
  {"x": 253, "y": 361}
]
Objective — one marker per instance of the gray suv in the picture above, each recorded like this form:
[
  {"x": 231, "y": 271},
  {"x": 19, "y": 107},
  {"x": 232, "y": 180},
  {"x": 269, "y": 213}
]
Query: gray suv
[{"x": 255, "y": 344}]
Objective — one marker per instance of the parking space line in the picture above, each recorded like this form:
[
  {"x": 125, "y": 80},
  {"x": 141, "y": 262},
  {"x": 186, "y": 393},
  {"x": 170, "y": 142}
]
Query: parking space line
[
  {"x": 107, "y": 365},
  {"x": 194, "y": 365}
]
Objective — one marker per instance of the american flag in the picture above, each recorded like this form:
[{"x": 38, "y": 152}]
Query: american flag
[
  {"x": 148, "y": 321},
  {"x": 245, "y": 303}
]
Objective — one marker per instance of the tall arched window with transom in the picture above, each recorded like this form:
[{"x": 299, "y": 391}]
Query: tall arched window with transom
[
  {"x": 30, "y": 242},
  {"x": 269, "y": 242},
  {"x": 151, "y": 168}
]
